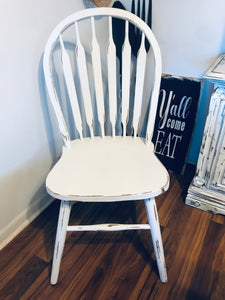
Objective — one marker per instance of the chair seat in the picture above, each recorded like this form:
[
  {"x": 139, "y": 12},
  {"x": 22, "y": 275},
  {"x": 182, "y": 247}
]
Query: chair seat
[{"x": 107, "y": 170}]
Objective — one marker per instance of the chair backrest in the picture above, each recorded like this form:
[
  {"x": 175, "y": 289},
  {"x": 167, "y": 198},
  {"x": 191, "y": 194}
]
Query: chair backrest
[{"x": 87, "y": 88}]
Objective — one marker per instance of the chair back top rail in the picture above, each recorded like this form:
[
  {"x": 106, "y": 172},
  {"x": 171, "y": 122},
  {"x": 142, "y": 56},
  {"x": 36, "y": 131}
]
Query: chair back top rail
[{"x": 115, "y": 81}]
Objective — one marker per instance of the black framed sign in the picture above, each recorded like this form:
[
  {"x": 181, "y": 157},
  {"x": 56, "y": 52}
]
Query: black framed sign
[{"x": 175, "y": 119}]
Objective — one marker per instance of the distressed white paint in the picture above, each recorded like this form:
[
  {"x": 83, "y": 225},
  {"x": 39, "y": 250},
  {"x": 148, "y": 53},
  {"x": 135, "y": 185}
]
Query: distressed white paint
[
  {"x": 107, "y": 170},
  {"x": 84, "y": 81},
  {"x": 139, "y": 84},
  {"x": 126, "y": 73},
  {"x": 64, "y": 214},
  {"x": 34, "y": 143},
  {"x": 156, "y": 237},
  {"x": 111, "y": 69},
  {"x": 112, "y": 79},
  {"x": 108, "y": 227},
  {"x": 68, "y": 75},
  {"x": 97, "y": 70},
  {"x": 207, "y": 190},
  {"x": 113, "y": 168}
]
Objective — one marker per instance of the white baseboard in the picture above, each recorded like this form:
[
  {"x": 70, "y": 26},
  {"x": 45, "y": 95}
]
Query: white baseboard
[{"x": 9, "y": 232}]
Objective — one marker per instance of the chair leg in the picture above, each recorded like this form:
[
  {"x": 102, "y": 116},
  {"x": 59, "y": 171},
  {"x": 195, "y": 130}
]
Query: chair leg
[
  {"x": 64, "y": 214},
  {"x": 156, "y": 237}
]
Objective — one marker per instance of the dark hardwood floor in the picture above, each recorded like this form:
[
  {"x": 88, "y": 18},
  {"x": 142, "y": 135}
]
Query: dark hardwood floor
[{"x": 120, "y": 265}]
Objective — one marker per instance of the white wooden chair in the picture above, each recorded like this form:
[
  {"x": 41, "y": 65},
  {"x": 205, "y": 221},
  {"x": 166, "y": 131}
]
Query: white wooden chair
[{"x": 98, "y": 163}]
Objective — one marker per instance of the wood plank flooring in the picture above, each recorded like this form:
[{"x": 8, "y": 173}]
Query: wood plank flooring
[{"x": 120, "y": 265}]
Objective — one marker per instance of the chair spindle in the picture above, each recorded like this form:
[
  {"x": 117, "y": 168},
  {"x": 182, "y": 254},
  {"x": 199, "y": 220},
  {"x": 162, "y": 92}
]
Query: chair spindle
[
  {"x": 97, "y": 71},
  {"x": 84, "y": 81},
  {"x": 139, "y": 85},
  {"x": 126, "y": 73},
  {"x": 112, "y": 79},
  {"x": 69, "y": 79}
]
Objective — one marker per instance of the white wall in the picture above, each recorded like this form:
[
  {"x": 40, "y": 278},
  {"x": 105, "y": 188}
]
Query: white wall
[
  {"x": 26, "y": 150},
  {"x": 191, "y": 34}
]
